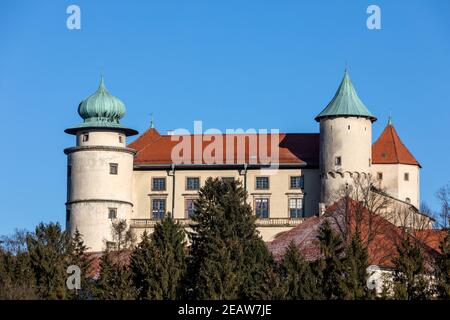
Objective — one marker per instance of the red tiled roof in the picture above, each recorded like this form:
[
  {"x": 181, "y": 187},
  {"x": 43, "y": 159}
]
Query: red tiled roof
[
  {"x": 389, "y": 149},
  {"x": 293, "y": 148},
  {"x": 382, "y": 237}
]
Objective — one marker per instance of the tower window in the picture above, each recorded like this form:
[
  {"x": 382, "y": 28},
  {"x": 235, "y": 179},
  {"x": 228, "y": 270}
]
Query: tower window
[
  {"x": 338, "y": 161},
  {"x": 348, "y": 127},
  {"x": 67, "y": 215},
  {"x": 85, "y": 137},
  {"x": 69, "y": 171},
  {"x": 113, "y": 168},
  {"x": 262, "y": 207},
  {"x": 380, "y": 175},
  {"x": 262, "y": 183},
  {"x": 370, "y": 162},
  {"x": 158, "y": 184},
  {"x": 120, "y": 139},
  {"x": 112, "y": 213},
  {"x": 406, "y": 176},
  {"x": 408, "y": 200}
]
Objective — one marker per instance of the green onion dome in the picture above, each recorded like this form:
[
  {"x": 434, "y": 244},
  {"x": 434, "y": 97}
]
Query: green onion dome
[{"x": 101, "y": 110}]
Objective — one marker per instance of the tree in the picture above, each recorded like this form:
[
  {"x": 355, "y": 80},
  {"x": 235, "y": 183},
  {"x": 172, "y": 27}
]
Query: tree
[
  {"x": 409, "y": 276},
  {"x": 443, "y": 196},
  {"x": 330, "y": 266},
  {"x": 115, "y": 278},
  {"x": 16, "y": 277},
  {"x": 47, "y": 249},
  {"x": 443, "y": 269},
  {"x": 79, "y": 258},
  {"x": 355, "y": 264},
  {"x": 228, "y": 259},
  {"x": 297, "y": 276},
  {"x": 158, "y": 263}
]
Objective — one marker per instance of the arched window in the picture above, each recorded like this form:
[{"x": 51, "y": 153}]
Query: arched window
[{"x": 408, "y": 200}]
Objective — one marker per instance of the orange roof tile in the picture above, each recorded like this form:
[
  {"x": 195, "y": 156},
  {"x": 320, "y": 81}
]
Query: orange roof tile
[
  {"x": 293, "y": 148},
  {"x": 389, "y": 149}
]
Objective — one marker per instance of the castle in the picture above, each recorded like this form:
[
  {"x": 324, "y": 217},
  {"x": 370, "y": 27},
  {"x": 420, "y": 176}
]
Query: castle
[{"x": 141, "y": 182}]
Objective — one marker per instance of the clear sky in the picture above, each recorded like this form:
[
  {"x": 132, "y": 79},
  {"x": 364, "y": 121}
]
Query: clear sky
[{"x": 232, "y": 64}]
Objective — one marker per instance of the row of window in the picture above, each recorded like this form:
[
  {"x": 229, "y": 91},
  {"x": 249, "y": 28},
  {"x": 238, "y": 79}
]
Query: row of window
[
  {"x": 85, "y": 137},
  {"x": 262, "y": 208},
  {"x": 405, "y": 176},
  {"x": 338, "y": 161},
  {"x": 261, "y": 183},
  {"x": 261, "y": 205}
]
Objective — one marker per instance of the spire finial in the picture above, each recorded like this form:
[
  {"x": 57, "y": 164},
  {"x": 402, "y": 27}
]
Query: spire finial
[
  {"x": 152, "y": 125},
  {"x": 390, "y": 119},
  {"x": 346, "y": 66}
]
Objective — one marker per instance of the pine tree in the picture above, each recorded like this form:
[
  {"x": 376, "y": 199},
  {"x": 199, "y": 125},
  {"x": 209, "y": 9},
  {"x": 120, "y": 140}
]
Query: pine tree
[
  {"x": 297, "y": 276},
  {"x": 409, "y": 282},
  {"x": 115, "y": 279},
  {"x": 443, "y": 269},
  {"x": 330, "y": 267},
  {"x": 47, "y": 249},
  {"x": 228, "y": 258},
  {"x": 79, "y": 258},
  {"x": 355, "y": 264},
  {"x": 158, "y": 263}
]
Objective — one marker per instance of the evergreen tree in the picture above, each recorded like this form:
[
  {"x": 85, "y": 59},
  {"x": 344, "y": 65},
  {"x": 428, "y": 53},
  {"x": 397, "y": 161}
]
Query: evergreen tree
[
  {"x": 228, "y": 259},
  {"x": 330, "y": 267},
  {"x": 79, "y": 258},
  {"x": 443, "y": 269},
  {"x": 115, "y": 279},
  {"x": 47, "y": 249},
  {"x": 355, "y": 264},
  {"x": 158, "y": 263},
  {"x": 409, "y": 282},
  {"x": 297, "y": 276}
]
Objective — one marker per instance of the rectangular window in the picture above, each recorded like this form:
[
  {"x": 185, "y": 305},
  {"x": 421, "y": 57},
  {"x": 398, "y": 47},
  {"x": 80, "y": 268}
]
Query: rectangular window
[
  {"x": 189, "y": 208},
  {"x": 228, "y": 179},
  {"x": 69, "y": 171},
  {"x": 297, "y": 182},
  {"x": 113, "y": 168},
  {"x": 67, "y": 215},
  {"x": 120, "y": 138},
  {"x": 380, "y": 175},
  {"x": 158, "y": 184},
  {"x": 85, "y": 137},
  {"x": 338, "y": 161},
  {"x": 112, "y": 213},
  {"x": 262, "y": 207},
  {"x": 406, "y": 176},
  {"x": 158, "y": 209},
  {"x": 262, "y": 183},
  {"x": 296, "y": 207},
  {"x": 192, "y": 183}
]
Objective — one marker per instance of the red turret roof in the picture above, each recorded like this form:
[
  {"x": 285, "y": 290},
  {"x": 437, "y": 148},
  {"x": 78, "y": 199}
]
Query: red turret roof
[{"x": 389, "y": 149}]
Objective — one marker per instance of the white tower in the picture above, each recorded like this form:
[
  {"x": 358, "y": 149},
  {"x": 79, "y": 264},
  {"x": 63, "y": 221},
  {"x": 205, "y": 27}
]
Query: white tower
[
  {"x": 100, "y": 170},
  {"x": 345, "y": 141}
]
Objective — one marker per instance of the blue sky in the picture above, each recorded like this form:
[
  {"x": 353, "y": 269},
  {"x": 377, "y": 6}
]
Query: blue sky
[{"x": 231, "y": 64}]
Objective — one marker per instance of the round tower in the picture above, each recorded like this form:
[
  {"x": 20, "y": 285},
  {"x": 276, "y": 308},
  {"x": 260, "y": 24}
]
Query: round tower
[
  {"x": 99, "y": 170},
  {"x": 345, "y": 141}
]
